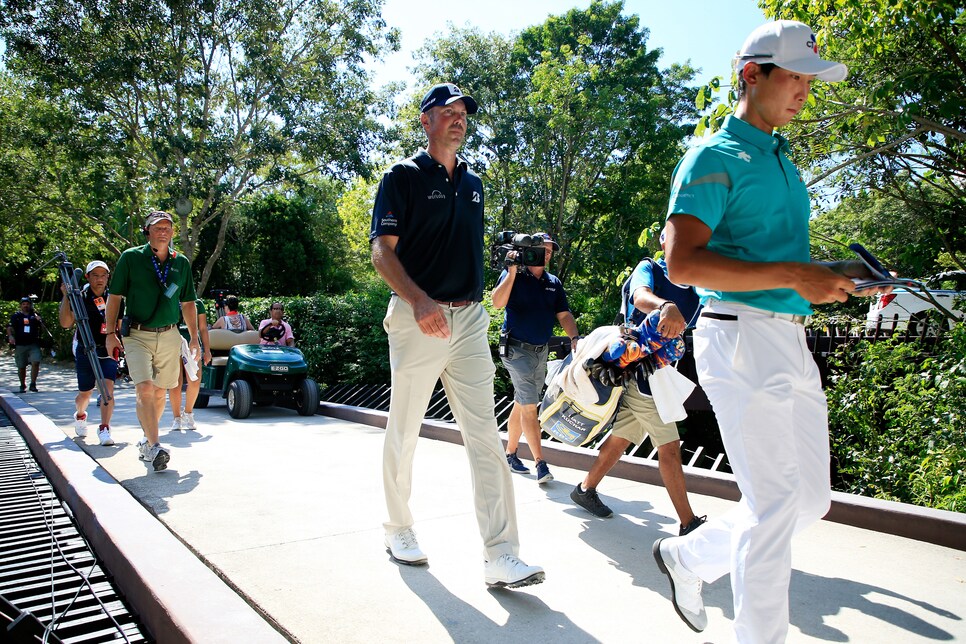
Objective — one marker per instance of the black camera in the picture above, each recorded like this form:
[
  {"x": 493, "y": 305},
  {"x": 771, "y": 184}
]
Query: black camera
[
  {"x": 219, "y": 295},
  {"x": 529, "y": 248}
]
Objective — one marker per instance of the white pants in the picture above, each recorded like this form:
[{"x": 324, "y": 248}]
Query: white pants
[
  {"x": 464, "y": 363},
  {"x": 767, "y": 397}
]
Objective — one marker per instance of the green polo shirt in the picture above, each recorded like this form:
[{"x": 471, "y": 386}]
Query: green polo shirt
[
  {"x": 136, "y": 279},
  {"x": 741, "y": 184}
]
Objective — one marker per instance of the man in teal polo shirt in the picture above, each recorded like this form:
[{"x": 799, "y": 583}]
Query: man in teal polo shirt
[
  {"x": 153, "y": 279},
  {"x": 738, "y": 231}
]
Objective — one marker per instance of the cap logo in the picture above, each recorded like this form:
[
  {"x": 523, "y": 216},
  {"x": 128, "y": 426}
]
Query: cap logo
[
  {"x": 454, "y": 90},
  {"x": 813, "y": 44}
]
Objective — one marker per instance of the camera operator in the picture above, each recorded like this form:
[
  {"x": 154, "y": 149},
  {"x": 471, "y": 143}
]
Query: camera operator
[{"x": 534, "y": 300}]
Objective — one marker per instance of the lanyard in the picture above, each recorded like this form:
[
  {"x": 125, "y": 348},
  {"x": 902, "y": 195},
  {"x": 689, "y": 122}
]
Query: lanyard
[{"x": 157, "y": 271}]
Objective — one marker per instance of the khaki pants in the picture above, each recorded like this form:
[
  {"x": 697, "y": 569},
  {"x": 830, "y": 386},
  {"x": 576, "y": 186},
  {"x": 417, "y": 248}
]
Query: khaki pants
[{"x": 464, "y": 364}]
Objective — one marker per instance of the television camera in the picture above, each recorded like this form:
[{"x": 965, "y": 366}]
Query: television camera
[{"x": 529, "y": 250}]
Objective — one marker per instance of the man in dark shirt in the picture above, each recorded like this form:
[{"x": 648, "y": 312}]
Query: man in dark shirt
[
  {"x": 94, "y": 296},
  {"x": 23, "y": 333},
  {"x": 427, "y": 244},
  {"x": 535, "y": 301},
  {"x": 649, "y": 289}
]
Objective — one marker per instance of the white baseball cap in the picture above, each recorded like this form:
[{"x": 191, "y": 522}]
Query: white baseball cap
[
  {"x": 96, "y": 264},
  {"x": 791, "y": 45}
]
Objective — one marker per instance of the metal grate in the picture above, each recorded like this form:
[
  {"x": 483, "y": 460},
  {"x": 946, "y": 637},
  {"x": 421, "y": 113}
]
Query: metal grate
[
  {"x": 377, "y": 397},
  {"x": 44, "y": 560}
]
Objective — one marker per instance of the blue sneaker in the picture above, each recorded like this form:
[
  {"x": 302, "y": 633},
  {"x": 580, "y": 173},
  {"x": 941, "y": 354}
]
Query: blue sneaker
[
  {"x": 543, "y": 472},
  {"x": 516, "y": 465}
]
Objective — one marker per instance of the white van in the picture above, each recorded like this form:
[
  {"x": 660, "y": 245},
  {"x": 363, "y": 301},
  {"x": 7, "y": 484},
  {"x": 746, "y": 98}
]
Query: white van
[{"x": 913, "y": 309}]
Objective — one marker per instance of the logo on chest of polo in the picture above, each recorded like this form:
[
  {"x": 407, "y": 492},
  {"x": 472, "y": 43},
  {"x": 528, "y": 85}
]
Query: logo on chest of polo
[{"x": 435, "y": 194}]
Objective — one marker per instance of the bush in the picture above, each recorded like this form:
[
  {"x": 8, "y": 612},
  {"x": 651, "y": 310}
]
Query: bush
[{"x": 896, "y": 417}]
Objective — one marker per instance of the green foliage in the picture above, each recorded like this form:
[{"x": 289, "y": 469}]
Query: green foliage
[
  {"x": 896, "y": 417},
  {"x": 889, "y": 228},
  {"x": 284, "y": 245},
  {"x": 341, "y": 335},
  {"x": 896, "y": 124},
  {"x": 577, "y": 135},
  {"x": 151, "y": 103}
]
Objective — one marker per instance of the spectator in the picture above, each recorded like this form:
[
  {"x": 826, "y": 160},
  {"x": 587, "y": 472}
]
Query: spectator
[
  {"x": 233, "y": 320},
  {"x": 275, "y": 330}
]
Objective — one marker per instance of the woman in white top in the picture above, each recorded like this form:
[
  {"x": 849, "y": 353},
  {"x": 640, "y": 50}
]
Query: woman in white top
[{"x": 232, "y": 319}]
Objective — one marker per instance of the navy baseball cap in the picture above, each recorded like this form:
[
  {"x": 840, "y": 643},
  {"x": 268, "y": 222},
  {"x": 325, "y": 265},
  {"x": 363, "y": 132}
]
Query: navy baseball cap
[
  {"x": 547, "y": 239},
  {"x": 444, "y": 94},
  {"x": 25, "y": 299}
]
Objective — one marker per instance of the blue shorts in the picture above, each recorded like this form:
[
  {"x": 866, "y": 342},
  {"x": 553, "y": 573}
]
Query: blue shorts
[
  {"x": 85, "y": 374},
  {"x": 528, "y": 370}
]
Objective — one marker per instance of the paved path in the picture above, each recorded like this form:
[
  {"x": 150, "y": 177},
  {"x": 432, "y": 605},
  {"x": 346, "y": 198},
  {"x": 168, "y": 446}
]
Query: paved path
[{"x": 289, "y": 511}]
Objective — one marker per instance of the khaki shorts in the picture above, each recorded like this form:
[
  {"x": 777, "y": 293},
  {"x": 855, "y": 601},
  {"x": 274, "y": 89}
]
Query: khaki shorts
[
  {"x": 637, "y": 418},
  {"x": 154, "y": 356}
]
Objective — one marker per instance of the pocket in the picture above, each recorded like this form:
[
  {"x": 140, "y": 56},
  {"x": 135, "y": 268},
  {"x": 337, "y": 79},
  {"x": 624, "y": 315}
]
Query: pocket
[{"x": 387, "y": 320}]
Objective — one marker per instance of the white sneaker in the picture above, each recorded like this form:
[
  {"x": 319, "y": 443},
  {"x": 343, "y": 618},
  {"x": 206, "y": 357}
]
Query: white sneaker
[
  {"x": 156, "y": 455},
  {"x": 509, "y": 572},
  {"x": 104, "y": 435},
  {"x": 685, "y": 587},
  {"x": 177, "y": 425},
  {"x": 188, "y": 420},
  {"x": 404, "y": 548},
  {"x": 80, "y": 424}
]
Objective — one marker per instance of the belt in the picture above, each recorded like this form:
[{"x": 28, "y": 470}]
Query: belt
[
  {"x": 797, "y": 319},
  {"x": 525, "y": 345},
  {"x": 151, "y": 329},
  {"x": 456, "y": 305}
]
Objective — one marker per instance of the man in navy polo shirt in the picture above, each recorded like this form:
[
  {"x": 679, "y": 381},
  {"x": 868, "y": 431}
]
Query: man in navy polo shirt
[
  {"x": 427, "y": 244},
  {"x": 535, "y": 301}
]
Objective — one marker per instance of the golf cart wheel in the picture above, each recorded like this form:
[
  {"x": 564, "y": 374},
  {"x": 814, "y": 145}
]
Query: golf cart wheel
[
  {"x": 201, "y": 401},
  {"x": 239, "y": 399},
  {"x": 307, "y": 397}
]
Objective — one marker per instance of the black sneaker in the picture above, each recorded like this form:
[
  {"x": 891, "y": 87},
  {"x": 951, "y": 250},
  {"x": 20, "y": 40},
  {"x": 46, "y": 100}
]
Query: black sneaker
[
  {"x": 23, "y": 389},
  {"x": 588, "y": 500},
  {"x": 516, "y": 466},
  {"x": 695, "y": 523},
  {"x": 33, "y": 387}
]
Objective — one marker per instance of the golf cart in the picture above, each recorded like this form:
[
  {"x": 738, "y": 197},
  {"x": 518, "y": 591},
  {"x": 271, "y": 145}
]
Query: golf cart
[{"x": 245, "y": 372}]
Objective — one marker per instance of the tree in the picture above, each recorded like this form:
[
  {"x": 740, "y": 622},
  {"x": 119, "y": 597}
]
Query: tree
[
  {"x": 578, "y": 132},
  {"x": 191, "y": 106},
  {"x": 897, "y": 125},
  {"x": 283, "y": 244}
]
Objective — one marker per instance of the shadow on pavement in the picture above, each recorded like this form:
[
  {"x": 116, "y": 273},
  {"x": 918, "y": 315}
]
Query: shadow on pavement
[{"x": 467, "y": 625}]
